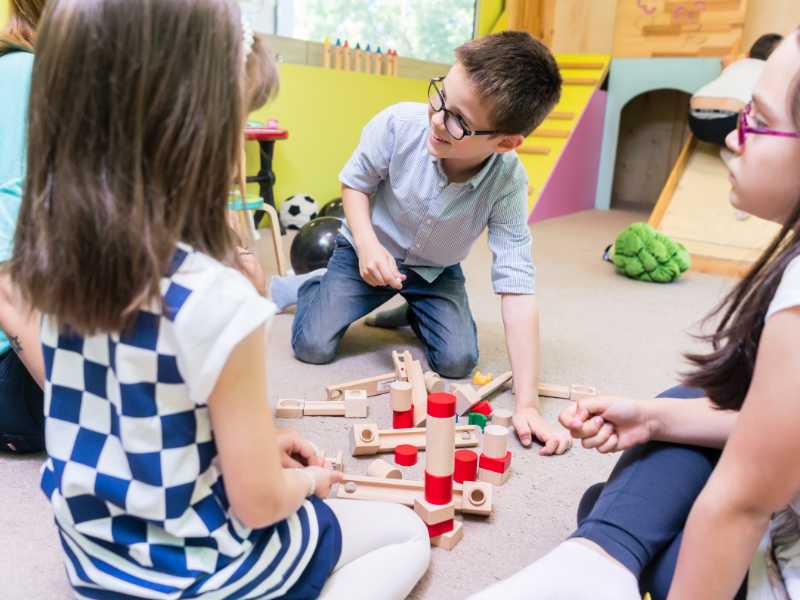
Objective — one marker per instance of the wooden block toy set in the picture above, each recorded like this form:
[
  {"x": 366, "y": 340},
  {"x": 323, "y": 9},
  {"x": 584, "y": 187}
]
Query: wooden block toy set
[{"x": 424, "y": 418}]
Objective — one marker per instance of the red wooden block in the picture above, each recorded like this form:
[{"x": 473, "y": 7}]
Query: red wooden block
[
  {"x": 441, "y": 405},
  {"x": 498, "y": 465},
  {"x": 484, "y": 408},
  {"x": 466, "y": 466},
  {"x": 440, "y": 528},
  {"x": 405, "y": 454},
  {"x": 438, "y": 490},
  {"x": 403, "y": 419}
]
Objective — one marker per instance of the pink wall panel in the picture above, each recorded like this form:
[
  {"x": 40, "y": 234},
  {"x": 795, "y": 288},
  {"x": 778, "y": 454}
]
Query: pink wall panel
[{"x": 572, "y": 185}]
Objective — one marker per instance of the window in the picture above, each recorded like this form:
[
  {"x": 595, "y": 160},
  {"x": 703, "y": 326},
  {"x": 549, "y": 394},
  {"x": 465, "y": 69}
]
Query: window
[{"x": 423, "y": 29}]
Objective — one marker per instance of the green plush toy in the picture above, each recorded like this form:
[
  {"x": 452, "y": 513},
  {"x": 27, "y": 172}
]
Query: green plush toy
[{"x": 643, "y": 253}]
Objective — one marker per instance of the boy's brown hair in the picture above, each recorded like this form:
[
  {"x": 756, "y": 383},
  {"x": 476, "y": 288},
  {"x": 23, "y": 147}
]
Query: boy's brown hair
[
  {"x": 20, "y": 31},
  {"x": 135, "y": 129},
  {"x": 517, "y": 75}
]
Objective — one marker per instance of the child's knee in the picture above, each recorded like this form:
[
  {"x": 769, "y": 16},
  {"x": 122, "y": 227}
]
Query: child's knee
[
  {"x": 454, "y": 364},
  {"x": 312, "y": 350}
]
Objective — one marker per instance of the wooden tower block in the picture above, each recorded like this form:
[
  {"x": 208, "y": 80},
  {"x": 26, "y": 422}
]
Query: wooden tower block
[
  {"x": 495, "y": 441},
  {"x": 400, "y": 398},
  {"x": 419, "y": 393},
  {"x": 492, "y": 477},
  {"x": 433, "y": 514},
  {"x": 448, "y": 541}
]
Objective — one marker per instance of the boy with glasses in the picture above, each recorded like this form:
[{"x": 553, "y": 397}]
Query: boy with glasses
[{"x": 423, "y": 184}]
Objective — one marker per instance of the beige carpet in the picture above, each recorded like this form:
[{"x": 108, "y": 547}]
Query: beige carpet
[{"x": 598, "y": 328}]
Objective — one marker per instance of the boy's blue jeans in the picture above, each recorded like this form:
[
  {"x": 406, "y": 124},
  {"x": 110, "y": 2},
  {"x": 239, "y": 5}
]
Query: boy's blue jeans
[{"x": 438, "y": 313}]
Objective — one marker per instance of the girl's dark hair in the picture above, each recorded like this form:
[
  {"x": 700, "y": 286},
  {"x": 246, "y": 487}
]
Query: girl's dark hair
[
  {"x": 20, "y": 31},
  {"x": 725, "y": 372},
  {"x": 135, "y": 129},
  {"x": 764, "y": 45}
]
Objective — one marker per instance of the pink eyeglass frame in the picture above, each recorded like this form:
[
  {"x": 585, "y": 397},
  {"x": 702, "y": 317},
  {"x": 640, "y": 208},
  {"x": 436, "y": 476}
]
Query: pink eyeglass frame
[{"x": 743, "y": 128}]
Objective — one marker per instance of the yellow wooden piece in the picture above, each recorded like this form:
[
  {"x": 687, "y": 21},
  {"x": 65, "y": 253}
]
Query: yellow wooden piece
[{"x": 479, "y": 378}]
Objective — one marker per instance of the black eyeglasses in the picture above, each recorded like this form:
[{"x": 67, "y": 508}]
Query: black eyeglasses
[{"x": 453, "y": 123}]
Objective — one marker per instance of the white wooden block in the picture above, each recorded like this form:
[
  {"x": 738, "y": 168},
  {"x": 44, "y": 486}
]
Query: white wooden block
[{"x": 355, "y": 404}]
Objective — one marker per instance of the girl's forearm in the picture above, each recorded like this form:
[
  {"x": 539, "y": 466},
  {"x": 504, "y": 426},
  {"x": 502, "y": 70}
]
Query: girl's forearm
[{"x": 690, "y": 421}]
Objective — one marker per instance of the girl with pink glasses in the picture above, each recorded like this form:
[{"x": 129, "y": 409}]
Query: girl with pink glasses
[{"x": 705, "y": 501}]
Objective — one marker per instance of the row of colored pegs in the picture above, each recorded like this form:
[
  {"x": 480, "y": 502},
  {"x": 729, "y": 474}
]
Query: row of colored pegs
[{"x": 344, "y": 57}]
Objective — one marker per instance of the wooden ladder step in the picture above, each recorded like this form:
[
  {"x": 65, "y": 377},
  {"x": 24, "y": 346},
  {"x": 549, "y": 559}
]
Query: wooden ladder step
[
  {"x": 540, "y": 150},
  {"x": 551, "y": 133},
  {"x": 581, "y": 81},
  {"x": 584, "y": 66}
]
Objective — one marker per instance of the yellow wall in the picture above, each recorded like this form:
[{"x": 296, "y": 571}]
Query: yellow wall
[
  {"x": 489, "y": 11},
  {"x": 3, "y": 12},
  {"x": 324, "y": 111}
]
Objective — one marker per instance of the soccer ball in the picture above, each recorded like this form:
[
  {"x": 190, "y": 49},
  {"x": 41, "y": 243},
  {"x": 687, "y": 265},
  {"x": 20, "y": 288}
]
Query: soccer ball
[{"x": 298, "y": 210}]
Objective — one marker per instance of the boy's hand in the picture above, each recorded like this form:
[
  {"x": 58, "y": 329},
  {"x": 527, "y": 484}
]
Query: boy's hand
[
  {"x": 608, "y": 423},
  {"x": 297, "y": 452},
  {"x": 378, "y": 267},
  {"x": 529, "y": 424}
]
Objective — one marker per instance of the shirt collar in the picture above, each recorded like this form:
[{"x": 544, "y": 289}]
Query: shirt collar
[{"x": 476, "y": 179}]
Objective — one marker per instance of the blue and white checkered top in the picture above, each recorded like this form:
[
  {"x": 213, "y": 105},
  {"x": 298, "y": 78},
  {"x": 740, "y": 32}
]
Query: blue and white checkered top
[
  {"x": 430, "y": 223},
  {"x": 138, "y": 497}
]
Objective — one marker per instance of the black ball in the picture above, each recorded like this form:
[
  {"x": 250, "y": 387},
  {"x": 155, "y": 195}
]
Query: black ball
[
  {"x": 313, "y": 246},
  {"x": 334, "y": 208}
]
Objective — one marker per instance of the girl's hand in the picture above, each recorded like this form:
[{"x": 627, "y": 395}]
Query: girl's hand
[
  {"x": 325, "y": 479},
  {"x": 247, "y": 263},
  {"x": 608, "y": 424},
  {"x": 297, "y": 452}
]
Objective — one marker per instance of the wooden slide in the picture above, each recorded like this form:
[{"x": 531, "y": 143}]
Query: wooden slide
[
  {"x": 582, "y": 74},
  {"x": 694, "y": 209}
]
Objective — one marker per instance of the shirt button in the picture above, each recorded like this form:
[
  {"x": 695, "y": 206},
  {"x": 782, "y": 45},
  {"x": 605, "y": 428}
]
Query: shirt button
[{"x": 428, "y": 221}]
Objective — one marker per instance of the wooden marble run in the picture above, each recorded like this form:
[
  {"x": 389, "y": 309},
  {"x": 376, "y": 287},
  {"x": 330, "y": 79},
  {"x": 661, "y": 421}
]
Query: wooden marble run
[
  {"x": 367, "y": 439},
  {"x": 471, "y": 497}
]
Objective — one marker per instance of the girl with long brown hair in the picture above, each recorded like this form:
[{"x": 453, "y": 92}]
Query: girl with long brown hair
[
  {"x": 743, "y": 395},
  {"x": 21, "y": 370},
  {"x": 165, "y": 471}
]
